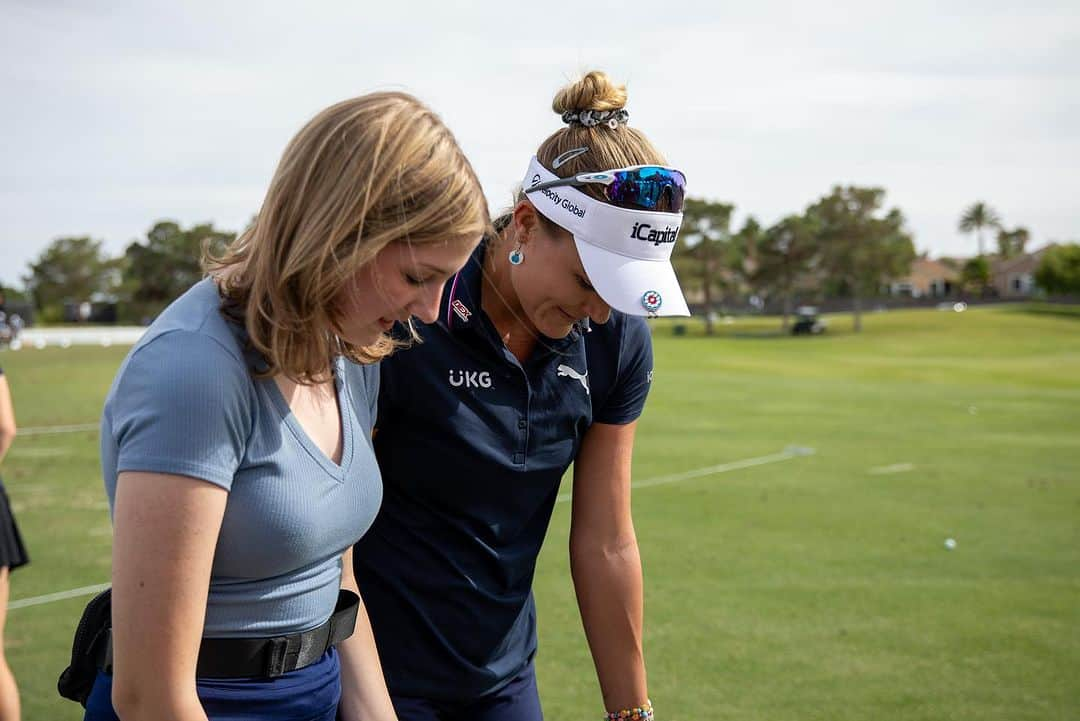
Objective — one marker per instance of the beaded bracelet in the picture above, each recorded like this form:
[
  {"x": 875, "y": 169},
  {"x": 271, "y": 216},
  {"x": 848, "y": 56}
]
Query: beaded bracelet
[{"x": 641, "y": 713}]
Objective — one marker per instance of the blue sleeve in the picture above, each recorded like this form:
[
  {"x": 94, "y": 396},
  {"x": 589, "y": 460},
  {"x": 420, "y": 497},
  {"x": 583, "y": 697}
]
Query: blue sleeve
[
  {"x": 387, "y": 387},
  {"x": 633, "y": 378},
  {"x": 371, "y": 383},
  {"x": 389, "y": 368},
  {"x": 182, "y": 405}
]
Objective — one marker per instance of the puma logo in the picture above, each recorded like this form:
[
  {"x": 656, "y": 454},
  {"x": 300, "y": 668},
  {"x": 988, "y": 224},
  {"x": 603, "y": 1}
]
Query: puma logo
[{"x": 565, "y": 370}]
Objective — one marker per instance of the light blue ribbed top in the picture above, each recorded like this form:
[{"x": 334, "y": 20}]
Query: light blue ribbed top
[{"x": 185, "y": 402}]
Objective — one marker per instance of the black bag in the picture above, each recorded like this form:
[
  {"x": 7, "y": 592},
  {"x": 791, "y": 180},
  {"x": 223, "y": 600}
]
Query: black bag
[{"x": 88, "y": 649}]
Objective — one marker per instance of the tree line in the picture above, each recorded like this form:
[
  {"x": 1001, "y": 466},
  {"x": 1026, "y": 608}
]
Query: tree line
[
  {"x": 150, "y": 274},
  {"x": 846, "y": 244}
]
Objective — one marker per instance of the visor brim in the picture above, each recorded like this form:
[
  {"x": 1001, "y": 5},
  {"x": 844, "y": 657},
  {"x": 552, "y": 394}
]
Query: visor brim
[{"x": 623, "y": 282}]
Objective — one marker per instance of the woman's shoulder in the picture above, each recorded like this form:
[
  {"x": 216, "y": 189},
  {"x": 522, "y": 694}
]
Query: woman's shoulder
[
  {"x": 189, "y": 344},
  {"x": 194, "y": 325},
  {"x": 621, "y": 332}
]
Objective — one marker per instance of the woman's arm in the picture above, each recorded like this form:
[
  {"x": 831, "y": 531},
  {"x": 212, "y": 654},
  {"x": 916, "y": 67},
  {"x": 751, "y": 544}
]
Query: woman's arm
[
  {"x": 165, "y": 530},
  {"x": 363, "y": 689},
  {"x": 605, "y": 563},
  {"x": 7, "y": 418}
]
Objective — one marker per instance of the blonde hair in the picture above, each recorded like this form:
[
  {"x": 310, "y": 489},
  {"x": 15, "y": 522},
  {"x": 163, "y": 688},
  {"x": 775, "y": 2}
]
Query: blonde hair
[
  {"x": 361, "y": 174},
  {"x": 608, "y": 148}
]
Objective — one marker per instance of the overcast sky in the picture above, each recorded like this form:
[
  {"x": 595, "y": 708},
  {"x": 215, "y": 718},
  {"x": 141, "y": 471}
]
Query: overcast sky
[{"x": 118, "y": 114}]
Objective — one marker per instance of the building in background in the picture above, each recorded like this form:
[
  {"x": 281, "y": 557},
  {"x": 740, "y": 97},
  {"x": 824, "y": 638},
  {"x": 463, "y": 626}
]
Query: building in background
[
  {"x": 927, "y": 279},
  {"x": 1015, "y": 277}
]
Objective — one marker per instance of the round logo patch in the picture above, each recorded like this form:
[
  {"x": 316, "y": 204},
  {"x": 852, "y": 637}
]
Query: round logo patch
[{"x": 651, "y": 301}]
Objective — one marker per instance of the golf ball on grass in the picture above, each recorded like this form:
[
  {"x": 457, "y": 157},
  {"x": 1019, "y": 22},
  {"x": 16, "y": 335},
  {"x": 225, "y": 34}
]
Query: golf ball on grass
[{"x": 950, "y": 544}]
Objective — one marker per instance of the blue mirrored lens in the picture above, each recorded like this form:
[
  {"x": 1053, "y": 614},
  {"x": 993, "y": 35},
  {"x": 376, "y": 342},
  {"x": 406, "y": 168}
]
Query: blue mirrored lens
[{"x": 647, "y": 188}]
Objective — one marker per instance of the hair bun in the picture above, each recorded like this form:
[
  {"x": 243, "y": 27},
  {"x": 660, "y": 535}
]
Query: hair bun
[{"x": 595, "y": 92}]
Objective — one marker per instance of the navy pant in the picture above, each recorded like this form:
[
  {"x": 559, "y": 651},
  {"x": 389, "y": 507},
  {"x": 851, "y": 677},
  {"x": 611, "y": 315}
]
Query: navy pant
[
  {"x": 516, "y": 701},
  {"x": 308, "y": 694}
]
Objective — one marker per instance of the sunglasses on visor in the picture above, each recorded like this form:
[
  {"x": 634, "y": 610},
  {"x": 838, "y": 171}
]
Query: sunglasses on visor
[{"x": 641, "y": 187}]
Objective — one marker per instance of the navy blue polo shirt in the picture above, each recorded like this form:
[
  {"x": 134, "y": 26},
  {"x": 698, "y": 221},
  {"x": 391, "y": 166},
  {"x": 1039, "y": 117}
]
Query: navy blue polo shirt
[{"x": 472, "y": 445}]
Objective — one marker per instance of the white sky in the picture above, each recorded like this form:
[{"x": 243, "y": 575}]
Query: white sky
[{"x": 114, "y": 115}]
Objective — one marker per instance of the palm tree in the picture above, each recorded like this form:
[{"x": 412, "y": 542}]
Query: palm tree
[
  {"x": 979, "y": 216},
  {"x": 1012, "y": 243}
]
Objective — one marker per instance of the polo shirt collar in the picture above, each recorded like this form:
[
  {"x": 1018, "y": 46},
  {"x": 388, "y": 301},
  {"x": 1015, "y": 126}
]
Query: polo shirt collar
[{"x": 461, "y": 307}]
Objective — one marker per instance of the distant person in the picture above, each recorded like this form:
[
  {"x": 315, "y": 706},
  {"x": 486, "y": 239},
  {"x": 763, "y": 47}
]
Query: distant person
[
  {"x": 539, "y": 359},
  {"x": 236, "y": 436},
  {"x": 12, "y": 554}
]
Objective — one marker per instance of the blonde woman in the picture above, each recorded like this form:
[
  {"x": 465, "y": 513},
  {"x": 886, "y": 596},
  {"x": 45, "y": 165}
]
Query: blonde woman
[
  {"x": 236, "y": 435},
  {"x": 539, "y": 359},
  {"x": 12, "y": 555}
]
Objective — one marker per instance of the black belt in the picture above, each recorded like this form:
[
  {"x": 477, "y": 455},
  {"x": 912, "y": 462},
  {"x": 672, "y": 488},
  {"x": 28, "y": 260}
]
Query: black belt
[{"x": 266, "y": 657}]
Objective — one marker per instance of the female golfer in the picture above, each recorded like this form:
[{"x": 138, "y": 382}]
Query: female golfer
[
  {"x": 538, "y": 360},
  {"x": 236, "y": 436},
  {"x": 12, "y": 555}
]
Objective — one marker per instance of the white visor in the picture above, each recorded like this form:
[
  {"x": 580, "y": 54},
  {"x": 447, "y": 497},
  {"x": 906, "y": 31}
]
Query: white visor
[{"x": 626, "y": 253}]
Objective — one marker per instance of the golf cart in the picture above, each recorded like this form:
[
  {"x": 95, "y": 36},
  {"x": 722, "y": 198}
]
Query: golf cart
[{"x": 807, "y": 321}]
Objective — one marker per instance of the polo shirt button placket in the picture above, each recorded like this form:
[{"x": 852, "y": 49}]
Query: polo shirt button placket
[{"x": 523, "y": 428}]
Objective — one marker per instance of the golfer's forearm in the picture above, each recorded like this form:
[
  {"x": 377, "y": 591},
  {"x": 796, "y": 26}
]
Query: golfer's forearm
[
  {"x": 363, "y": 689},
  {"x": 609, "y": 592},
  {"x": 7, "y": 437},
  {"x": 7, "y": 418},
  {"x": 163, "y": 703},
  {"x": 5, "y": 443}
]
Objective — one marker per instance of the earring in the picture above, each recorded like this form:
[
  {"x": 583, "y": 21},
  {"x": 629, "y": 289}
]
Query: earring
[{"x": 517, "y": 257}]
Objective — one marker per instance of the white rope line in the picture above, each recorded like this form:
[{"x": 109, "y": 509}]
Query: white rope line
[
  {"x": 894, "y": 468},
  {"x": 59, "y": 596},
  {"x": 47, "y": 430},
  {"x": 786, "y": 454}
]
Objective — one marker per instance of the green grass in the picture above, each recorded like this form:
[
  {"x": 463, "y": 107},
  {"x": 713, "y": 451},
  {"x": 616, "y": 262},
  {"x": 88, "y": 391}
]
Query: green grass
[{"x": 812, "y": 588}]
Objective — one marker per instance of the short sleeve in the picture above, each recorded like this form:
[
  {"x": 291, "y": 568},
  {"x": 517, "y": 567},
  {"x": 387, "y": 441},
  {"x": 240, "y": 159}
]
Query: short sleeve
[
  {"x": 371, "y": 388},
  {"x": 184, "y": 405},
  {"x": 389, "y": 368},
  {"x": 386, "y": 400},
  {"x": 633, "y": 378}
]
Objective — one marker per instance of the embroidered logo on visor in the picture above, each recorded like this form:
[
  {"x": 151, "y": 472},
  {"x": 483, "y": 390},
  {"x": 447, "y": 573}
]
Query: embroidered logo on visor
[{"x": 651, "y": 301}]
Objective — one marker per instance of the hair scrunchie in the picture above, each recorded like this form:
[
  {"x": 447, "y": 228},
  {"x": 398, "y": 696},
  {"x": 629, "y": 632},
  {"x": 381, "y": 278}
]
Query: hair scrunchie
[{"x": 592, "y": 118}]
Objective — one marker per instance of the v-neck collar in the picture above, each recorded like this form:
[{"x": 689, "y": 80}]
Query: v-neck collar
[{"x": 337, "y": 470}]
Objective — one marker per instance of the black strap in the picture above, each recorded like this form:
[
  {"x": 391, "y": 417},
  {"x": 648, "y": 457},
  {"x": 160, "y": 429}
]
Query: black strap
[{"x": 268, "y": 657}]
